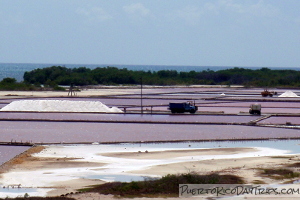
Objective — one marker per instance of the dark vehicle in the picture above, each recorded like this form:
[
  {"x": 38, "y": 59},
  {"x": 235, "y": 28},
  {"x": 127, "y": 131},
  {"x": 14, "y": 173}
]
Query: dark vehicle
[
  {"x": 266, "y": 93},
  {"x": 183, "y": 107}
]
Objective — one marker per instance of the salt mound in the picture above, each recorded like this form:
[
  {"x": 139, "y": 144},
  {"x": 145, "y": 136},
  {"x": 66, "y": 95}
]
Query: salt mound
[
  {"x": 59, "y": 106},
  {"x": 288, "y": 94}
]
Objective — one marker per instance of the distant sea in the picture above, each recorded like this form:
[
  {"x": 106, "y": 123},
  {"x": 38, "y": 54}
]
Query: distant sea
[{"x": 17, "y": 70}]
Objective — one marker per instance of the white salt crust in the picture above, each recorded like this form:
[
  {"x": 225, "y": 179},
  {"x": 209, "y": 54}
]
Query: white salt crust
[{"x": 59, "y": 106}]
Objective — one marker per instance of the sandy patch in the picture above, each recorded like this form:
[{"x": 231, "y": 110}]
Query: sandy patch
[
  {"x": 178, "y": 153},
  {"x": 94, "y": 196},
  {"x": 82, "y": 93},
  {"x": 64, "y": 187},
  {"x": 29, "y": 160},
  {"x": 54, "y": 163},
  {"x": 243, "y": 167},
  {"x": 67, "y": 168}
]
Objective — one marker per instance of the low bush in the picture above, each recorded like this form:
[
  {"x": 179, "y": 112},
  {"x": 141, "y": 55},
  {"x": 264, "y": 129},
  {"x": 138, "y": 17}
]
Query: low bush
[
  {"x": 279, "y": 174},
  {"x": 166, "y": 186}
]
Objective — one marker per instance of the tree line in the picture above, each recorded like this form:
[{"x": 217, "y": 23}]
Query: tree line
[
  {"x": 264, "y": 77},
  {"x": 53, "y": 77}
]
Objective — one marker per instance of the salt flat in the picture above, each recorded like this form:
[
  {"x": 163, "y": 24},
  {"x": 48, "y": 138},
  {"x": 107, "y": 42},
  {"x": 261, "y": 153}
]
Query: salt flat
[
  {"x": 66, "y": 168},
  {"x": 57, "y": 166},
  {"x": 59, "y": 106}
]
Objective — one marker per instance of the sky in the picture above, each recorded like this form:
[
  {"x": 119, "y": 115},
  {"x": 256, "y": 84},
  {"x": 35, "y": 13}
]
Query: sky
[{"x": 237, "y": 33}]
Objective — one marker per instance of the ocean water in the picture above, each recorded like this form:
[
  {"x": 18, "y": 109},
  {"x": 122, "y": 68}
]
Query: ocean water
[{"x": 17, "y": 70}]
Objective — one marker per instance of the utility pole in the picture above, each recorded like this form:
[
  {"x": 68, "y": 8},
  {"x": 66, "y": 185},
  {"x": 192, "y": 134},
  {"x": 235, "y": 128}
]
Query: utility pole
[
  {"x": 141, "y": 95},
  {"x": 71, "y": 90}
]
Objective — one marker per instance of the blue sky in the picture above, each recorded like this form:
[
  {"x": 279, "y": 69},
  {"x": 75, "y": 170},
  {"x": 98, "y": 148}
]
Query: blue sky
[{"x": 242, "y": 33}]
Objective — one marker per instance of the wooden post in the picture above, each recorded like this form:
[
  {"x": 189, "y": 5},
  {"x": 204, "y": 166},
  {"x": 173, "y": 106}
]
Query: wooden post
[{"x": 141, "y": 95}]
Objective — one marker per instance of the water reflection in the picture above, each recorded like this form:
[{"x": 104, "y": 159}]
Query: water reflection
[
  {"x": 9, "y": 192},
  {"x": 118, "y": 177},
  {"x": 8, "y": 152},
  {"x": 290, "y": 145}
]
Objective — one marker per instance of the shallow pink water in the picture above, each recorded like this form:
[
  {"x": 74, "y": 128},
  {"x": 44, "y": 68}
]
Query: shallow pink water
[
  {"x": 236, "y": 110},
  {"x": 173, "y": 118},
  {"x": 57, "y": 132},
  {"x": 281, "y": 120},
  {"x": 8, "y": 152},
  {"x": 263, "y": 104},
  {"x": 105, "y": 131}
]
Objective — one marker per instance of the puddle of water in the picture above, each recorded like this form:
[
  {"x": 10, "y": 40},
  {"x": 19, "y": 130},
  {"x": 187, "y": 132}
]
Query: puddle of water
[
  {"x": 21, "y": 192},
  {"x": 118, "y": 177},
  {"x": 17, "y": 190},
  {"x": 79, "y": 132},
  {"x": 296, "y": 181},
  {"x": 291, "y": 145}
]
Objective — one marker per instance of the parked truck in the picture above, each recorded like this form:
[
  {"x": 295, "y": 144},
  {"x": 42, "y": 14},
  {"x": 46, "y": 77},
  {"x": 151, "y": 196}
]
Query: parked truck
[
  {"x": 255, "y": 109},
  {"x": 183, "y": 107},
  {"x": 266, "y": 93}
]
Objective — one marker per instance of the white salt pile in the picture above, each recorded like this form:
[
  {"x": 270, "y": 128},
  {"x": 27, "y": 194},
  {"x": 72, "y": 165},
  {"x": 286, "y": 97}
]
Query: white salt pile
[
  {"x": 288, "y": 94},
  {"x": 59, "y": 106}
]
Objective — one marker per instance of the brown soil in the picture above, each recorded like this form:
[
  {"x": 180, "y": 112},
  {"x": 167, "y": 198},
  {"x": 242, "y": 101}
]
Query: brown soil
[{"x": 21, "y": 158}]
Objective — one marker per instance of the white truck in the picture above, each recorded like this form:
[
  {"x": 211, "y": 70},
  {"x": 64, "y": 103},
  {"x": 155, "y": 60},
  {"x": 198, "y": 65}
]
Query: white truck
[{"x": 255, "y": 109}]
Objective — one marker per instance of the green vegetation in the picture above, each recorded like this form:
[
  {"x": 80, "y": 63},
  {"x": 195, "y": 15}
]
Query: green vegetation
[
  {"x": 258, "y": 182},
  {"x": 264, "y": 77},
  {"x": 167, "y": 186},
  {"x": 51, "y": 77},
  {"x": 279, "y": 174},
  {"x": 297, "y": 164},
  {"x": 12, "y": 84}
]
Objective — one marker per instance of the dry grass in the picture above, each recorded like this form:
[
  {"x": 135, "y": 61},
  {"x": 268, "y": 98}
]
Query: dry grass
[
  {"x": 279, "y": 174},
  {"x": 297, "y": 164},
  {"x": 258, "y": 182}
]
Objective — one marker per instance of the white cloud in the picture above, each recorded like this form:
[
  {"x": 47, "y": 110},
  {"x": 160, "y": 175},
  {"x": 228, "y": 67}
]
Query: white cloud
[
  {"x": 262, "y": 9},
  {"x": 259, "y": 8},
  {"x": 137, "y": 9},
  {"x": 96, "y": 14},
  {"x": 229, "y": 5},
  {"x": 193, "y": 14},
  {"x": 211, "y": 8},
  {"x": 190, "y": 14}
]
